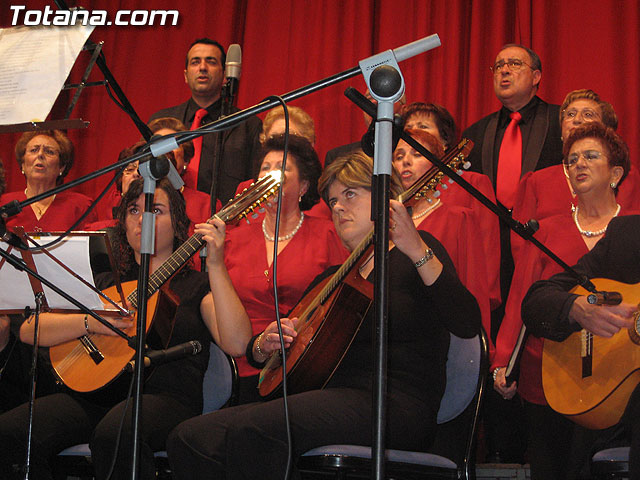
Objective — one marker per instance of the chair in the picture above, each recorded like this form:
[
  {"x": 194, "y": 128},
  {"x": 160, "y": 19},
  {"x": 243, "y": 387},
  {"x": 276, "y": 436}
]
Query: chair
[
  {"x": 467, "y": 367},
  {"x": 610, "y": 464},
  {"x": 219, "y": 390}
]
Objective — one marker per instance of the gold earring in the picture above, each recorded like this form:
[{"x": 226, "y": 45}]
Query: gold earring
[{"x": 613, "y": 185}]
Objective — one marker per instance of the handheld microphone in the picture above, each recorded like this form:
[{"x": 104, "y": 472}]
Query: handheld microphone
[
  {"x": 604, "y": 298},
  {"x": 233, "y": 69},
  {"x": 158, "y": 357}
]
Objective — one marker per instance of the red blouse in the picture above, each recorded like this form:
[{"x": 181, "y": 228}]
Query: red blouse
[
  {"x": 313, "y": 248},
  {"x": 458, "y": 229},
  {"x": 561, "y": 236},
  {"x": 65, "y": 209}
]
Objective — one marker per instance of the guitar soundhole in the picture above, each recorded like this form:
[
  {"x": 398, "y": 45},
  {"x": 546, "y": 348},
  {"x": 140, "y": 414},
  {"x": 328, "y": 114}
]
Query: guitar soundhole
[{"x": 633, "y": 332}]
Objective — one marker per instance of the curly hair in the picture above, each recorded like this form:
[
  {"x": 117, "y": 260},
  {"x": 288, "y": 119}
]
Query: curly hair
[
  {"x": 309, "y": 167},
  {"x": 618, "y": 152},
  {"x": 64, "y": 144},
  {"x": 355, "y": 170},
  {"x": 609, "y": 117},
  {"x": 180, "y": 222}
]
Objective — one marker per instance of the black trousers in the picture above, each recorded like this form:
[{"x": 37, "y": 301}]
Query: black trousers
[
  {"x": 62, "y": 420},
  {"x": 249, "y": 441}
]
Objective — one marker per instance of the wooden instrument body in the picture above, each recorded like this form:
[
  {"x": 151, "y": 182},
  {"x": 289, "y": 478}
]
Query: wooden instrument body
[
  {"x": 330, "y": 328},
  {"x": 71, "y": 360},
  {"x": 75, "y": 367},
  {"x": 598, "y": 400}
]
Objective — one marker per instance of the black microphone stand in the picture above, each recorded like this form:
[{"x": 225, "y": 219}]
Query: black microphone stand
[
  {"x": 170, "y": 142},
  {"x": 151, "y": 172},
  {"x": 34, "y": 363},
  {"x": 386, "y": 85}
]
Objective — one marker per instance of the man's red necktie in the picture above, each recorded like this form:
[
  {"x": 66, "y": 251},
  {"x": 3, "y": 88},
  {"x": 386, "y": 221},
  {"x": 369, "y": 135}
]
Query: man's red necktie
[
  {"x": 509, "y": 162},
  {"x": 190, "y": 177}
]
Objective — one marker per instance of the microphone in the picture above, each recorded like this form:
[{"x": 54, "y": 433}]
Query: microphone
[
  {"x": 158, "y": 357},
  {"x": 232, "y": 69},
  {"x": 604, "y": 298}
]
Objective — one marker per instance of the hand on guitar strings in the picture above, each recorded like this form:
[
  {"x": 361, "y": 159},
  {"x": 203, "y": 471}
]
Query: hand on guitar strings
[
  {"x": 602, "y": 320},
  {"x": 213, "y": 232},
  {"x": 500, "y": 385},
  {"x": 269, "y": 340}
]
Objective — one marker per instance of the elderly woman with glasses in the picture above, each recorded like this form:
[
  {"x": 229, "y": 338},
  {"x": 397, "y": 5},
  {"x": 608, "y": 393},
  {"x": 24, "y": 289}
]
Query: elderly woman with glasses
[
  {"x": 547, "y": 192},
  {"x": 596, "y": 162},
  {"x": 45, "y": 158}
]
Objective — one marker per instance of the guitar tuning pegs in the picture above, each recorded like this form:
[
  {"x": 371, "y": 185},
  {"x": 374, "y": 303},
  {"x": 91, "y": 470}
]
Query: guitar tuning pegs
[
  {"x": 436, "y": 194},
  {"x": 261, "y": 210},
  {"x": 466, "y": 165},
  {"x": 450, "y": 181},
  {"x": 254, "y": 216},
  {"x": 444, "y": 186}
]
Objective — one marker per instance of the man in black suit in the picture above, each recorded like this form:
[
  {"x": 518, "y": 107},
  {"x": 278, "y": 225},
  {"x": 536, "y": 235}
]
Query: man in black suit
[
  {"x": 517, "y": 72},
  {"x": 516, "y": 76},
  {"x": 204, "y": 74}
]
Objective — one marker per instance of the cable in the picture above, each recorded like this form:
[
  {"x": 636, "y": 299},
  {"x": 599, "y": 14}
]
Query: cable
[
  {"x": 275, "y": 284},
  {"x": 80, "y": 220}
]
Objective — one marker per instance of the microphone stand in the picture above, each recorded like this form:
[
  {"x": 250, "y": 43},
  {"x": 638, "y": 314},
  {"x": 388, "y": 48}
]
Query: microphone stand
[
  {"x": 526, "y": 231},
  {"x": 34, "y": 362},
  {"x": 170, "y": 142},
  {"x": 151, "y": 172},
  {"x": 386, "y": 85}
]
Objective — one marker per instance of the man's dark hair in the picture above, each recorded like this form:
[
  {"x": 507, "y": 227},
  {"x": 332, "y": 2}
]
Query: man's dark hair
[
  {"x": 207, "y": 41},
  {"x": 536, "y": 64}
]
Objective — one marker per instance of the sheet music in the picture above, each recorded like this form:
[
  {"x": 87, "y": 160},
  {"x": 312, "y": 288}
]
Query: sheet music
[
  {"x": 34, "y": 64},
  {"x": 16, "y": 291}
]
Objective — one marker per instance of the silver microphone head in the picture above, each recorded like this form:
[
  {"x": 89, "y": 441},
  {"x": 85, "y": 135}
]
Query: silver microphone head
[{"x": 233, "y": 66}]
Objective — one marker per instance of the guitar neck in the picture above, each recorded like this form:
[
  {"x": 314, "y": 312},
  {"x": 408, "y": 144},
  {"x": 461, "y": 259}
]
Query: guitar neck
[
  {"x": 237, "y": 209},
  {"x": 429, "y": 181}
]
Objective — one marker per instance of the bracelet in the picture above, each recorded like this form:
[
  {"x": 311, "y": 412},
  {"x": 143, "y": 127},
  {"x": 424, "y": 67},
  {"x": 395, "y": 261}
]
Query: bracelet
[
  {"x": 258, "y": 349},
  {"x": 495, "y": 373},
  {"x": 86, "y": 324},
  {"x": 428, "y": 255}
]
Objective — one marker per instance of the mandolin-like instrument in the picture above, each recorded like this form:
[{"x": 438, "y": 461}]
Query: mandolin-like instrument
[
  {"x": 330, "y": 315},
  {"x": 94, "y": 360}
]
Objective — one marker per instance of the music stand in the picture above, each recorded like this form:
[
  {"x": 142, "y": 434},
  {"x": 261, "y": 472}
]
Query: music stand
[{"x": 15, "y": 283}]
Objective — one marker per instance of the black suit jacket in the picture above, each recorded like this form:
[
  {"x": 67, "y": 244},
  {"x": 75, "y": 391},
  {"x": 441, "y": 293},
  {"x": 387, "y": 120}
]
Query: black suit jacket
[
  {"x": 542, "y": 149},
  {"x": 239, "y": 157}
]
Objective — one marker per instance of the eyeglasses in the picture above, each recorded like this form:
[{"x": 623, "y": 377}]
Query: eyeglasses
[
  {"x": 514, "y": 64},
  {"x": 48, "y": 151},
  {"x": 587, "y": 114},
  {"x": 588, "y": 155}
]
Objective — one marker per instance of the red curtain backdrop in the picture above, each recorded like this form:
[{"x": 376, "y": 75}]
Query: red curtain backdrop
[{"x": 287, "y": 44}]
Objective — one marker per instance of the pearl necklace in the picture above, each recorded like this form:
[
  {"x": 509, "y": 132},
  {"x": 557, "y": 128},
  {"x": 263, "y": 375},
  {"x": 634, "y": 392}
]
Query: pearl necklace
[
  {"x": 589, "y": 233},
  {"x": 286, "y": 237},
  {"x": 426, "y": 210}
]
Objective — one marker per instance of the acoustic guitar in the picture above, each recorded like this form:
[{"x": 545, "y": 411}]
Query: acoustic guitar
[
  {"x": 94, "y": 361},
  {"x": 330, "y": 315},
  {"x": 589, "y": 378}
]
